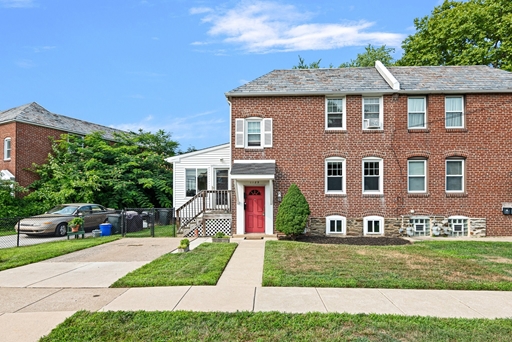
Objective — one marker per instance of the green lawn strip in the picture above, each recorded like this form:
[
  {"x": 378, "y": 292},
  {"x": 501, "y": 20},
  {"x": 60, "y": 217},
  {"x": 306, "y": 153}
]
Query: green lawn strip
[
  {"x": 160, "y": 231},
  {"x": 201, "y": 266},
  {"x": 19, "y": 256},
  {"x": 273, "y": 326},
  {"x": 457, "y": 265},
  {"x": 8, "y": 232}
]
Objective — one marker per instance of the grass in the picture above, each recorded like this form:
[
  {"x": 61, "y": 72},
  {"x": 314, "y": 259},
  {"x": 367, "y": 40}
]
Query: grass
[
  {"x": 273, "y": 326},
  {"x": 19, "y": 256},
  {"x": 160, "y": 231},
  {"x": 457, "y": 265},
  {"x": 201, "y": 266}
]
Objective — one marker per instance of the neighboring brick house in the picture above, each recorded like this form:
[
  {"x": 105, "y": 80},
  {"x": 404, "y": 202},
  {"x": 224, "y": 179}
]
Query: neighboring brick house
[
  {"x": 376, "y": 151},
  {"x": 25, "y": 132}
]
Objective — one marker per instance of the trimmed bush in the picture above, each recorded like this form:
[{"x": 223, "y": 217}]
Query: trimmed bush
[{"x": 293, "y": 213}]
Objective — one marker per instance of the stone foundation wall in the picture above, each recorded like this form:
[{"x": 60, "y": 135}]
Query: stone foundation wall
[
  {"x": 477, "y": 227},
  {"x": 354, "y": 227}
]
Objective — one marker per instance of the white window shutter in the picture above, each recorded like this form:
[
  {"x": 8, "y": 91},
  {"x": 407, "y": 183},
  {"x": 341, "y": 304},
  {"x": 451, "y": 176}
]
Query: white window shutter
[
  {"x": 239, "y": 132},
  {"x": 267, "y": 132}
]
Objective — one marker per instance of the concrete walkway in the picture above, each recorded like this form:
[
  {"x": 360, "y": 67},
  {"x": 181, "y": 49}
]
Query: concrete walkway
[{"x": 40, "y": 297}]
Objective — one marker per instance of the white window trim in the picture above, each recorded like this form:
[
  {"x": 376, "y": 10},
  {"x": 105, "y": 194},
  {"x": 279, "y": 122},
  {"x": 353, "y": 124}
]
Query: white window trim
[
  {"x": 463, "y": 113},
  {"x": 343, "y": 114},
  {"x": 381, "y": 113},
  {"x": 424, "y": 112},
  {"x": 417, "y": 176},
  {"x": 381, "y": 175},
  {"x": 344, "y": 177},
  {"x": 458, "y": 217},
  {"x": 196, "y": 179},
  {"x": 373, "y": 218},
  {"x": 241, "y": 131},
  {"x": 463, "y": 176},
  {"x": 343, "y": 220},
  {"x": 7, "y": 149}
]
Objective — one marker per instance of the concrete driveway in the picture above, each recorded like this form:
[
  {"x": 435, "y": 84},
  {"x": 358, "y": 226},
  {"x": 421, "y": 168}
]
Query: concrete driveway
[{"x": 96, "y": 267}]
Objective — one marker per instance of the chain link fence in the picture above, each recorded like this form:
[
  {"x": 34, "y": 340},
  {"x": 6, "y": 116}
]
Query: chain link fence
[{"x": 129, "y": 222}]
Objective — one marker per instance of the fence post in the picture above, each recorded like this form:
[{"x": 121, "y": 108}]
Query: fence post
[
  {"x": 152, "y": 222},
  {"x": 18, "y": 235}
]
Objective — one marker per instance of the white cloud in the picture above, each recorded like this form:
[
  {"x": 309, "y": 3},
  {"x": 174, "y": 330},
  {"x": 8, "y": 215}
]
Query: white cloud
[
  {"x": 17, "y": 3},
  {"x": 265, "y": 26},
  {"x": 25, "y": 63},
  {"x": 200, "y": 10},
  {"x": 193, "y": 130},
  {"x": 43, "y": 48}
]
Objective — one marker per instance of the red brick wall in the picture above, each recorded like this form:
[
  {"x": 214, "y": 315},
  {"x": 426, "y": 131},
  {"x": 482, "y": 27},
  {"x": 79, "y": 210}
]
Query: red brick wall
[
  {"x": 8, "y": 131},
  {"x": 301, "y": 144},
  {"x": 32, "y": 145}
]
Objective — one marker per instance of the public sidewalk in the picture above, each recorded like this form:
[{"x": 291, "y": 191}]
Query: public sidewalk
[{"x": 43, "y": 304}]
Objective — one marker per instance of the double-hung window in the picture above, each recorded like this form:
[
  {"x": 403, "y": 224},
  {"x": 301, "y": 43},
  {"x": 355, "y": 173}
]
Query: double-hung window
[
  {"x": 335, "y": 109},
  {"x": 454, "y": 108},
  {"x": 373, "y": 225},
  {"x": 455, "y": 175},
  {"x": 372, "y": 112},
  {"x": 372, "y": 175},
  {"x": 253, "y": 133},
  {"x": 335, "y": 176},
  {"x": 335, "y": 224},
  {"x": 196, "y": 180},
  {"x": 7, "y": 149},
  {"x": 417, "y": 176},
  {"x": 417, "y": 109}
]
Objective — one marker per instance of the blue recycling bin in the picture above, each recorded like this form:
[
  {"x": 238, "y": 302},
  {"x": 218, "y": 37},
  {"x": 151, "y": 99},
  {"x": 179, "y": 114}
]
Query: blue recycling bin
[{"x": 105, "y": 229}]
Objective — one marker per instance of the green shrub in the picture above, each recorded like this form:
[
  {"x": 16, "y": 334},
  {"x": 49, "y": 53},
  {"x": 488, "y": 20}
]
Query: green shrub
[
  {"x": 184, "y": 243},
  {"x": 293, "y": 213},
  {"x": 220, "y": 235}
]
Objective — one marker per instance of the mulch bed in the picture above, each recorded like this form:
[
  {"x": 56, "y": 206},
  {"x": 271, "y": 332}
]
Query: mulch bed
[{"x": 355, "y": 240}]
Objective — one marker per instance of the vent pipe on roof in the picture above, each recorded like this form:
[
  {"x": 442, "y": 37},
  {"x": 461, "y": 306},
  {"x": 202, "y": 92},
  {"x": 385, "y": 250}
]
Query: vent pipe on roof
[{"x": 387, "y": 75}]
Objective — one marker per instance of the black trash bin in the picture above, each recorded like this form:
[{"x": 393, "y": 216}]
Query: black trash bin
[
  {"x": 115, "y": 221},
  {"x": 163, "y": 217},
  {"x": 133, "y": 222}
]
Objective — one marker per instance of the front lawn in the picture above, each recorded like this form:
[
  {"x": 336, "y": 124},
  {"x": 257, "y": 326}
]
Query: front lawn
[
  {"x": 273, "y": 326},
  {"x": 456, "y": 265},
  {"x": 19, "y": 256},
  {"x": 201, "y": 266}
]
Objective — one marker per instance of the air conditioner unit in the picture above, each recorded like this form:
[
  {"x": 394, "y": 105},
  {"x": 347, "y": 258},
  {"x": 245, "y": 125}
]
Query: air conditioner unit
[{"x": 371, "y": 124}]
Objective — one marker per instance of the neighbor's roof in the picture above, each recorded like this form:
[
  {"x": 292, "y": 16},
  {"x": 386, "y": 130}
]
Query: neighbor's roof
[
  {"x": 417, "y": 79},
  {"x": 34, "y": 114}
]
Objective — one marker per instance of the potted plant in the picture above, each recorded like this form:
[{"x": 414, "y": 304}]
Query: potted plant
[
  {"x": 220, "y": 237},
  {"x": 184, "y": 246},
  {"x": 76, "y": 223}
]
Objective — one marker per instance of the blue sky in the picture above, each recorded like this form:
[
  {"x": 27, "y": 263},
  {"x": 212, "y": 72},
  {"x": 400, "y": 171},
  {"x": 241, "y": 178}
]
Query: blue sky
[{"x": 166, "y": 64}]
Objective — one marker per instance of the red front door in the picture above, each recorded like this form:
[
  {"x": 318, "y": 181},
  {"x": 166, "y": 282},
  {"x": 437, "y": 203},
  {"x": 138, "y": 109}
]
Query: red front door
[{"x": 255, "y": 209}]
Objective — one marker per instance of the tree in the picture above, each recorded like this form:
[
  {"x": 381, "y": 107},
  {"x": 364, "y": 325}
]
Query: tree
[
  {"x": 293, "y": 213},
  {"x": 131, "y": 172},
  {"x": 371, "y": 54},
  {"x": 12, "y": 202},
  {"x": 303, "y": 65},
  {"x": 474, "y": 32}
]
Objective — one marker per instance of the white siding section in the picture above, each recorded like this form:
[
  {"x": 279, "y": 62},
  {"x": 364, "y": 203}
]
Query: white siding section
[{"x": 218, "y": 157}]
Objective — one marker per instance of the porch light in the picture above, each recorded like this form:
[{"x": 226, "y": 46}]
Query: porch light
[{"x": 279, "y": 197}]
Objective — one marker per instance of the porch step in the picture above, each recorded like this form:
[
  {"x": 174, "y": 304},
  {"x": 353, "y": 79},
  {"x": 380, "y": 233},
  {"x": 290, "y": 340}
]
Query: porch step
[{"x": 255, "y": 236}]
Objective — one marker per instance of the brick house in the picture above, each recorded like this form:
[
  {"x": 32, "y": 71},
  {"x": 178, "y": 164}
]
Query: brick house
[
  {"x": 25, "y": 133},
  {"x": 376, "y": 151}
]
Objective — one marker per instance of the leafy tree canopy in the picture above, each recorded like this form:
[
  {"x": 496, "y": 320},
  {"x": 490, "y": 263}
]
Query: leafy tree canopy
[
  {"x": 473, "y": 32},
  {"x": 131, "y": 172},
  {"x": 365, "y": 59},
  {"x": 371, "y": 54}
]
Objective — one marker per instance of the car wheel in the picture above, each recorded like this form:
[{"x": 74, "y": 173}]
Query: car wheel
[{"x": 62, "y": 229}]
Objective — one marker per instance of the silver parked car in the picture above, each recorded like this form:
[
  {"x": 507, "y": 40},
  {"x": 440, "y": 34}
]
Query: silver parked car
[{"x": 55, "y": 221}]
